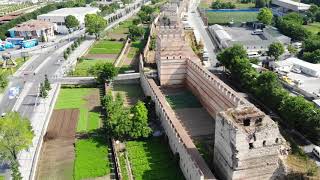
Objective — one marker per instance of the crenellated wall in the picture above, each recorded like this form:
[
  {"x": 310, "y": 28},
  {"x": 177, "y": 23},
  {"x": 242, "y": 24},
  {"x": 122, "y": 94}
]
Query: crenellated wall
[{"x": 192, "y": 164}]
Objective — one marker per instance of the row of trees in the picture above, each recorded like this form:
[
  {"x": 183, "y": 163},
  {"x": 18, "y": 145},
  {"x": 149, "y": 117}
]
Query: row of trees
[
  {"x": 124, "y": 122},
  {"x": 311, "y": 49},
  {"x": 69, "y": 50},
  {"x": 45, "y": 87},
  {"x": 296, "y": 112},
  {"x": 94, "y": 24},
  {"x": 146, "y": 14},
  {"x": 108, "y": 9}
]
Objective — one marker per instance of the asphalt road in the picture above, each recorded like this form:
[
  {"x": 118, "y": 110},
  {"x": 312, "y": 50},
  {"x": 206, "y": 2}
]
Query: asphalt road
[{"x": 196, "y": 22}]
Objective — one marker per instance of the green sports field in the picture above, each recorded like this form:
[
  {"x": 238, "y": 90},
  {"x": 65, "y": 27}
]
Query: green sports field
[{"x": 226, "y": 17}]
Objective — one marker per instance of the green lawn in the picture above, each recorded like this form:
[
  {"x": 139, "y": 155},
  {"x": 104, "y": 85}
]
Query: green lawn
[
  {"x": 91, "y": 158},
  {"x": 83, "y": 66},
  {"x": 226, "y": 17},
  {"x": 184, "y": 99},
  {"x": 313, "y": 27},
  {"x": 75, "y": 98},
  {"x": 106, "y": 47},
  {"x": 123, "y": 27},
  {"x": 206, "y": 4},
  {"x": 128, "y": 90},
  {"x": 152, "y": 159},
  {"x": 2, "y": 178}
]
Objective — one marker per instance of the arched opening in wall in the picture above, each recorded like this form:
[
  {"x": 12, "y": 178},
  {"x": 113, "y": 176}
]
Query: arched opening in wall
[
  {"x": 167, "y": 57},
  {"x": 277, "y": 140},
  {"x": 264, "y": 143},
  {"x": 180, "y": 57},
  {"x": 254, "y": 137},
  {"x": 251, "y": 146},
  {"x": 246, "y": 122}
]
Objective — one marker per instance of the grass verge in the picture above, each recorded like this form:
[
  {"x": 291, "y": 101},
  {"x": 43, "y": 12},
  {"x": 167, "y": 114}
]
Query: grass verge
[{"x": 313, "y": 27}]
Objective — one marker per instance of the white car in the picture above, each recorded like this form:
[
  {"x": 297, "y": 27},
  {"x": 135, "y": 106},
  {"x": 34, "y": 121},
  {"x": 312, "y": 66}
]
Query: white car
[
  {"x": 3, "y": 114},
  {"x": 296, "y": 70}
]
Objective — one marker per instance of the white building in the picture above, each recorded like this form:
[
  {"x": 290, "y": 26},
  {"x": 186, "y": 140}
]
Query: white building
[
  {"x": 280, "y": 7},
  {"x": 305, "y": 67},
  {"x": 59, "y": 16}
]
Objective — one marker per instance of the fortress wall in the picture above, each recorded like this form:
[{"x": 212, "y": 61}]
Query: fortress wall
[
  {"x": 215, "y": 95},
  {"x": 172, "y": 71},
  {"x": 191, "y": 162}
]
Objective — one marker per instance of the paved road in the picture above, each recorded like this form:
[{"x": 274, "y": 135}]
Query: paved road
[{"x": 200, "y": 29}]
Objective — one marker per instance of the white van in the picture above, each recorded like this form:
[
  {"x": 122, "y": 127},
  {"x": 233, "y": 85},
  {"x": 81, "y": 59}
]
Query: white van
[
  {"x": 253, "y": 54},
  {"x": 257, "y": 32},
  {"x": 316, "y": 151}
]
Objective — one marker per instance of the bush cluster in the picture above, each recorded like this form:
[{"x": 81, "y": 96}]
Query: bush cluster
[
  {"x": 295, "y": 111},
  {"x": 222, "y": 5}
]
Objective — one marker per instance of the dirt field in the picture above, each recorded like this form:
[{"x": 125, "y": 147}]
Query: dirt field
[{"x": 57, "y": 153}]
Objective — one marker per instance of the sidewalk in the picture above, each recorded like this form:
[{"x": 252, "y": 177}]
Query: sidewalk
[{"x": 39, "y": 122}]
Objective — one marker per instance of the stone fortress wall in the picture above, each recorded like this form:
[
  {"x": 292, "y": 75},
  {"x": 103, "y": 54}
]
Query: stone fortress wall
[
  {"x": 191, "y": 163},
  {"x": 247, "y": 143}
]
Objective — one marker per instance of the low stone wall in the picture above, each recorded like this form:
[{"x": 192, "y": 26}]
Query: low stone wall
[
  {"x": 152, "y": 31},
  {"x": 191, "y": 163}
]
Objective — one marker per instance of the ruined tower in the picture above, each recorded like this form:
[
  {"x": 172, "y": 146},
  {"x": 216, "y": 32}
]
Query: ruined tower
[{"x": 248, "y": 145}]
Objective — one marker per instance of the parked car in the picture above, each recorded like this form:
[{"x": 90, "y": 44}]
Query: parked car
[
  {"x": 316, "y": 151},
  {"x": 296, "y": 70},
  {"x": 257, "y": 32}
]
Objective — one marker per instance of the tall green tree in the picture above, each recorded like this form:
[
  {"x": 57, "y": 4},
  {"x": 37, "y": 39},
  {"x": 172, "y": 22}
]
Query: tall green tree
[
  {"x": 104, "y": 72},
  {"x": 139, "y": 120},
  {"x": 136, "y": 32},
  {"x": 47, "y": 84},
  {"x": 275, "y": 50},
  {"x": 71, "y": 22},
  {"x": 15, "y": 135},
  {"x": 43, "y": 91},
  {"x": 94, "y": 24},
  {"x": 265, "y": 16}
]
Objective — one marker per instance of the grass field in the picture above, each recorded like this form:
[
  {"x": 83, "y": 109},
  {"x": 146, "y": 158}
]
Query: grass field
[
  {"x": 91, "y": 158},
  {"x": 2, "y": 178},
  {"x": 152, "y": 159},
  {"x": 83, "y": 67},
  {"x": 207, "y": 3},
  {"x": 106, "y": 47},
  {"x": 184, "y": 99},
  {"x": 226, "y": 17},
  {"x": 123, "y": 27},
  {"x": 75, "y": 98},
  {"x": 313, "y": 27}
]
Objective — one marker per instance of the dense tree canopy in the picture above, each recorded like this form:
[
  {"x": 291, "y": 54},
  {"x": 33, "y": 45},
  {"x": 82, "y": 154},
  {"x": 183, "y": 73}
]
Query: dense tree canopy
[
  {"x": 104, "y": 72},
  {"x": 94, "y": 24},
  {"x": 275, "y": 50},
  {"x": 15, "y": 135},
  {"x": 71, "y": 22},
  {"x": 136, "y": 32},
  {"x": 222, "y": 5},
  {"x": 123, "y": 122},
  {"x": 294, "y": 111},
  {"x": 265, "y": 16}
]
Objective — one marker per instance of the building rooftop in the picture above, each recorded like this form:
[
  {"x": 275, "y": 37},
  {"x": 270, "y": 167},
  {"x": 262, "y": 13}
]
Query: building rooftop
[
  {"x": 292, "y": 60},
  {"x": 71, "y": 11},
  {"x": 32, "y": 25},
  {"x": 293, "y": 5}
]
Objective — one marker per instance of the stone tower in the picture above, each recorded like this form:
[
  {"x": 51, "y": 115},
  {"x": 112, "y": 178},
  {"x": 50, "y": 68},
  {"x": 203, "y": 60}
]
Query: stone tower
[{"x": 248, "y": 145}]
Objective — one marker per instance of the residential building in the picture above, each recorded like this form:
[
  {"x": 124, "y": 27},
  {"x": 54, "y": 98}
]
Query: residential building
[
  {"x": 34, "y": 29},
  {"x": 58, "y": 16},
  {"x": 281, "y": 7}
]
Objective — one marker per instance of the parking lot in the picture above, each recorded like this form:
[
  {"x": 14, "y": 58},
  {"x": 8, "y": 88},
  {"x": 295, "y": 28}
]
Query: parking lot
[{"x": 306, "y": 83}]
